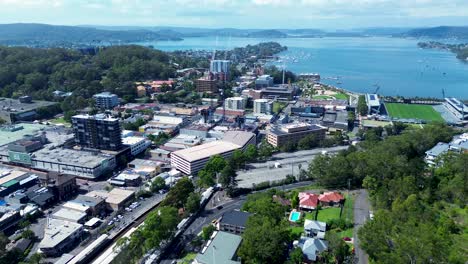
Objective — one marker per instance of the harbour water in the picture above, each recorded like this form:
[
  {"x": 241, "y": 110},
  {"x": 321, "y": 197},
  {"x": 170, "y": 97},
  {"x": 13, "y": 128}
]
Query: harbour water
[{"x": 395, "y": 66}]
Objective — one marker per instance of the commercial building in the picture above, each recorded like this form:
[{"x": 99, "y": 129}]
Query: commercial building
[
  {"x": 456, "y": 107},
  {"x": 62, "y": 185},
  {"x": 192, "y": 160},
  {"x": 235, "y": 103},
  {"x": 149, "y": 168},
  {"x": 127, "y": 178},
  {"x": 59, "y": 236},
  {"x": 221, "y": 249},
  {"x": 97, "y": 132},
  {"x": 206, "y": 85},
  {"x": 71, "y": 215},
  {"x": 137, "y": 144},
  {"x": 86, "y": 204},
  {"x": 233, "y": 222},
  {"x": 263, "y": 106},
  {"x": 293, "y": 133},
  {"x": 373, "y": 104},
  {"x": 23, "y": 109},
  {"x": 116, "y": 199},
  {"x": 106, "y": 100},
  {"x": 263, "y": 81}
]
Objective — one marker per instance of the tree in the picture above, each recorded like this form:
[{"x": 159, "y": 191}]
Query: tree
[
  {"x": 265, "y": 150},
  {"x": 158, "y": 184},
  {"x": 207, "y": 231},
  {"x": 362, "y": 105},
  {"x": 193, "y": 203},
  {"x": 308, "y": 142},
  {"x": 28, "y": 234},
  {"x": 251, "y": 153},
  {"x": 337, "y": 247},
  {"x": 36, "y": 258},
  {"x": 238, "y": 158},
  {"x": 294, "y": 199},
  {"x": 264, "y": 241},
  {"x": 206, "y": 178},
  {"x": 227, "y": 177},
  {"x": 296, "y": 256},
  {"x": 178, "y": 194}
]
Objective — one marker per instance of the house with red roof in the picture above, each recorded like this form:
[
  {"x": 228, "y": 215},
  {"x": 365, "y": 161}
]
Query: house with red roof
[
  {"x": 308, "y": 201},
  {"x": 331, "y": 199}
]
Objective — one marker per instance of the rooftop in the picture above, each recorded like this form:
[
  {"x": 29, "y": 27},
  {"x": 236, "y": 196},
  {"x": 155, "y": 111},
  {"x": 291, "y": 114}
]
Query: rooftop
[
  {"x": 292, "y": 128},
  {"x": 116, "y": 196},
  {"x": 15, "y": 106},
  {"x": 311, "y": 247},
  {"x": 57, "y": 231},
  {"x": 372, "y": 100},
  {"x": 11, "y": 133},
  {"x": 69, "y": 214},
  {"x": 235, "y": 218},
  {"x": 71, "y": 156},
  {"x": 206, "y": 150},
  {"x": 240, "y": 138},
  {"x": 105, "y": 94},
  {"x": 103, "y": 117},
  {"x": 221, "y": 250},
  {"x": 132, "y": 140}
]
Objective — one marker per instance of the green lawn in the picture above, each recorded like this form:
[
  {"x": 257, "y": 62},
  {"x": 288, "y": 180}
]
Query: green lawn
[
  {"x": 341, "y": 96},
  {"x": 322, "y": 97},
  {"x": 413, "y": 111},
  {"x": 346, "y": 233},
  {"x": 328, "y": 214},
  {"x": 296, "y": 230}
]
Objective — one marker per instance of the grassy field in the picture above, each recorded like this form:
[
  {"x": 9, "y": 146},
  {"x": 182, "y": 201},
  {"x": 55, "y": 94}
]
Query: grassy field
[
  {"x": 341, "y": 96},
  {"x": 413, "y": 111},
  {"x": 325, "y": 97},
  {"x": 59, "y": 120}
]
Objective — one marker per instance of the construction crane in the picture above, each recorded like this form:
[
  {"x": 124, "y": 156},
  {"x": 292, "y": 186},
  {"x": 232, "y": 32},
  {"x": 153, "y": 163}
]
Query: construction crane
[{"x": 443, "y": 92}]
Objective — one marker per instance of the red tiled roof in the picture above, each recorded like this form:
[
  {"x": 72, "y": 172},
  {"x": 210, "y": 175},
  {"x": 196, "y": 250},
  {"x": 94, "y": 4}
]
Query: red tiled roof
[
  {"x": 308, "y": 200},
  {"x": 331, "y": 197}
]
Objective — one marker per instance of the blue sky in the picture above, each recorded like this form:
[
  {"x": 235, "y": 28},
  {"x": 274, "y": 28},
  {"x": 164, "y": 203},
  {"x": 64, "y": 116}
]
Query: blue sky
[{"x": 326, "y": 14}]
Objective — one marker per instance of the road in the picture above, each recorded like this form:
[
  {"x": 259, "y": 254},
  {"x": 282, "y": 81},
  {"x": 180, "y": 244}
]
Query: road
[
  {"x": 291, "y": 163},
  {"x": 361, "y": 215},
  {"x": 207, "y": 216}
]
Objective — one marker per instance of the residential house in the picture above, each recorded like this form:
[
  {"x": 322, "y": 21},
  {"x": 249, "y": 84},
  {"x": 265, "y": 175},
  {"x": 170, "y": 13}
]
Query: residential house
[
  {"x": 312, "y": 247},
  {"x": 233, "y": 222},
  {"x": 221, "y": 249},
  {"x": 315, "y": 228},
  {"x": 331, "y": 199},
  {"x": 308, "y": 201}
]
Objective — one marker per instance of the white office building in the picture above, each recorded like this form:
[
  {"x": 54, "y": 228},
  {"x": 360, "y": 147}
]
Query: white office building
[
  {"x": 137, "y": 144},
  {"x": 235, "y": 103},
  {"x": 263, "y": 106}
]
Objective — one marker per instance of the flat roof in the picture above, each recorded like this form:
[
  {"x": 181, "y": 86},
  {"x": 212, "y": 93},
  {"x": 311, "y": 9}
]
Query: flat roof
[
  {"x": 7, "y": 175},
  {"x": 280, "y": 131},
  {"x": 69, "y": 214},
  {"x": 132, "y": 140},
  {"x": 70, "y": 156},
  {"x": 10, "y": 105},
  {"x": 57, "y": 231},
  {"x": 92, "y": 221},
  {"x": 97, "y": 117},
  {"x": 115, "y": 196},
  {"x": 7, "y": 136},
  {"x": 206, "y": 150}
]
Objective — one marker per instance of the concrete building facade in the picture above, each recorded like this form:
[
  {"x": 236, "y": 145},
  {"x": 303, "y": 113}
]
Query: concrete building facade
[{"x": 293, "y": 133}]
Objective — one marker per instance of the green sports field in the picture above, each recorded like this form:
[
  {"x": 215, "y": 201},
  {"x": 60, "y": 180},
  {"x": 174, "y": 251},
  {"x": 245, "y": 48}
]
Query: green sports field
[{"x": 413, "y": 111}]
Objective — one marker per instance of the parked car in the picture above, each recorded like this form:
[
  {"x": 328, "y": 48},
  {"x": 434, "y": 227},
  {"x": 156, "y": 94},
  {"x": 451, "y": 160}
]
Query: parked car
[{"x": 110, "y": 223}]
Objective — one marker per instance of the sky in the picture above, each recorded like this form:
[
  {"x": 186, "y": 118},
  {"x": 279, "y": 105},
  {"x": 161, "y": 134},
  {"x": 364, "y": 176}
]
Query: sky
[{"x": 323, "y": 14}]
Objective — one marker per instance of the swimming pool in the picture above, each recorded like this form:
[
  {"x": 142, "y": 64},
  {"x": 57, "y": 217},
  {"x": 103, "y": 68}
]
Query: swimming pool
[{"x": 294, "y": 216}]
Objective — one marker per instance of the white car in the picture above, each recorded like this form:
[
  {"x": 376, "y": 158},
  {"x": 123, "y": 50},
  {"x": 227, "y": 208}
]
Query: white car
[
  {"x": 110, "y": 223},
  {"x": 120, "y": 216},
  {"x": 371, "y": 215}
]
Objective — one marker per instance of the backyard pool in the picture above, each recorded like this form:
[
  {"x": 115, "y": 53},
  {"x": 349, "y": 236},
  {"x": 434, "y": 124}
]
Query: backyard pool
[{"x": 294, "y": 216}]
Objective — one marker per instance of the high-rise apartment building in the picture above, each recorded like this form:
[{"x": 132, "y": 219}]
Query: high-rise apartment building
[
  {"x": 97, "y": 132},
  {"x": 106, "y": 100}
]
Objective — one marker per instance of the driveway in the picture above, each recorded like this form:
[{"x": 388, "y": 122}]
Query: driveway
[{"x": 361, "y": 215}]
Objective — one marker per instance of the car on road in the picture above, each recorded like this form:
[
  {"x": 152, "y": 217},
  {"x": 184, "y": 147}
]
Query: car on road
[
  {"x": 371, "y": 215},
  {"x": 219, "y": 207},
  {"x": 128, "y": 209},
  {"x": 120, "y": 216},
  {"x": 110, "y": 223}
]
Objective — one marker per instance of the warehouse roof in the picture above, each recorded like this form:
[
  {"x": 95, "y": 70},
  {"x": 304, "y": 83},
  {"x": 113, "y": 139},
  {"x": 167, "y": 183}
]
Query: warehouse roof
[{"x": 57, "y": 231}]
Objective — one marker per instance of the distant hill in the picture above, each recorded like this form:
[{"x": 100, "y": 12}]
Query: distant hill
[
  {"x": 439, "y": 32},
  {"x": 49, "y": 35},
  {"x": 270, "y": 33}
]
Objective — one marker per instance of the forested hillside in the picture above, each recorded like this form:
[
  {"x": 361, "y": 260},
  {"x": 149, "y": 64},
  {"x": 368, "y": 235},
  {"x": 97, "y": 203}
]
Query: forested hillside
[
  {"x": 39, "y": 72},
  {"x": 420, "y": 212}
]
